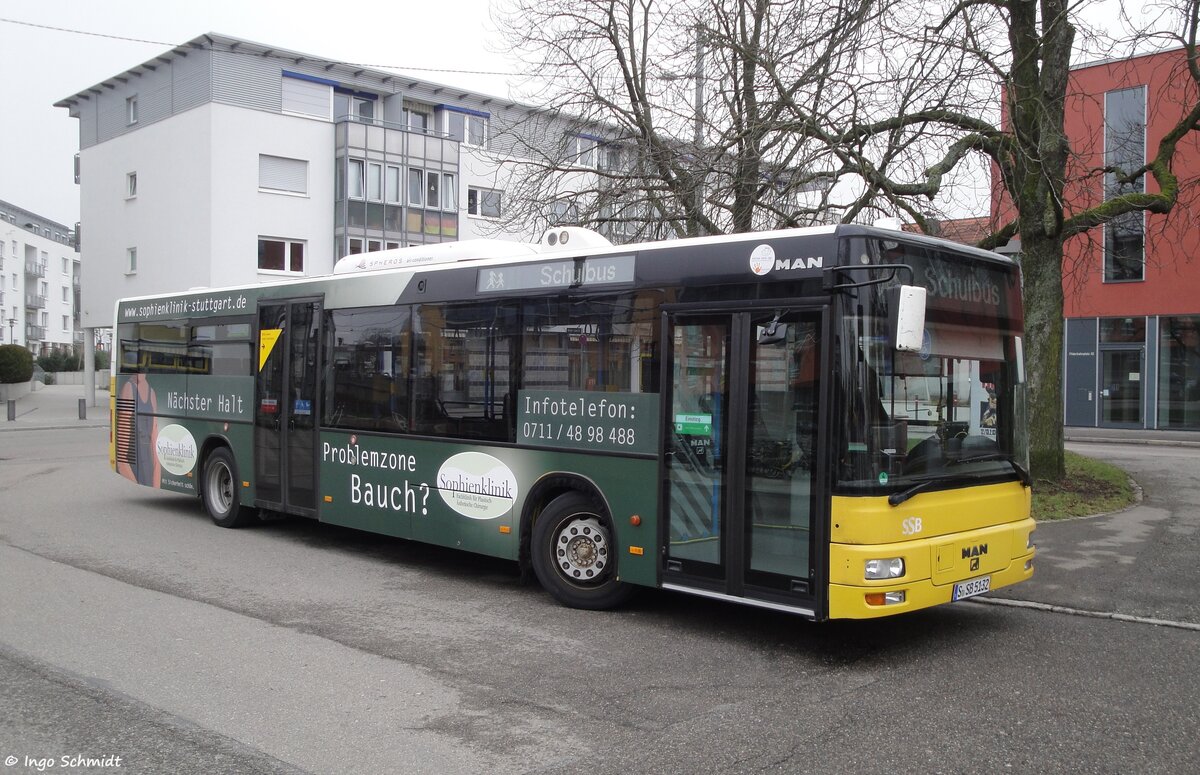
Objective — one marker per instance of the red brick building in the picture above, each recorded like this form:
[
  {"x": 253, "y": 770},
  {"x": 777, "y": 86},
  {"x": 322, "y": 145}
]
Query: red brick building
[{"x": 1131, "y": 351}]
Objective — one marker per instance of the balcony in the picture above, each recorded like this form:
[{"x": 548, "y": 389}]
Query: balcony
[
  {"x": 77, "y": 337},
  {"x": 33, "y": 301},
  {"x": 35, "y": 269},
  {"x": 35, "y": 333}
]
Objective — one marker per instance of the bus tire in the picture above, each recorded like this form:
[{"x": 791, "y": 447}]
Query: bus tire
[
  {"x": 574, "y": 556},
  {"x": 219, "y": 490}
]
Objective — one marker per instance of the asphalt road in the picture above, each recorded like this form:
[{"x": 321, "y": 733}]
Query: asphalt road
[{"x": 131, "y": 627}]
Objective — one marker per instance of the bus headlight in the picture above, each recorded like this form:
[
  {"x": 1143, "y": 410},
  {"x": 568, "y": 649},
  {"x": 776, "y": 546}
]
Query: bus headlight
[{"x": 891, "y": 568}]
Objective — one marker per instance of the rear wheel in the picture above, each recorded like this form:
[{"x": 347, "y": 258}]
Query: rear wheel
[
  {"x": 573, "y": 554},
  {"x": 219, "y": 490}
]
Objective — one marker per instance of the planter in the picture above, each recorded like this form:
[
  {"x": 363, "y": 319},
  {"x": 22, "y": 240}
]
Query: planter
[{"x": 11, "y": 392}]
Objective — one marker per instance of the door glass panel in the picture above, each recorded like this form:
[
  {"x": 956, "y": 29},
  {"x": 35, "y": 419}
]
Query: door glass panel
[
  {"x": 1121, "y": 395},
  {"x": 269, "y": 403},
  {"x": 696, "y": 444},
  {"x": 303, "y": 343},
  {"x": 781, "y": 450}
]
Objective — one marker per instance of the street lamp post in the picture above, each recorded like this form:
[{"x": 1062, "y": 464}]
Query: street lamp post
[{"x": 12, "y": 323}]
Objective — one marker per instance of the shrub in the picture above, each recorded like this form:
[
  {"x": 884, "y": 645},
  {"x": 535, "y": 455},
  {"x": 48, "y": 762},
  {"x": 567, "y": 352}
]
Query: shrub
[
  {"x": 61, "y": 359},
  {"x": 16, "y": 364},
  {"x": 102, "y": 359}
]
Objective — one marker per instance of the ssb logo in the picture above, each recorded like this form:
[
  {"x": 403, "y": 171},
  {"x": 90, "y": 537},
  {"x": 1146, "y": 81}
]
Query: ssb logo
[{"x": 910, "y": 526}]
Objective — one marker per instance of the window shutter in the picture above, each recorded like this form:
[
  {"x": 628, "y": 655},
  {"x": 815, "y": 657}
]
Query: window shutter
[{"x": 280, "y": 174}]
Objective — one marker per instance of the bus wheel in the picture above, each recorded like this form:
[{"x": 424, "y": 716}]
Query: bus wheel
[
  {"x": 219, "y": 490},
  {"x": 573, "y": 554}
]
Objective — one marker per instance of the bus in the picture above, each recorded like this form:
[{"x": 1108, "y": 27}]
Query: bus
[{"x": 825, "y": 421}]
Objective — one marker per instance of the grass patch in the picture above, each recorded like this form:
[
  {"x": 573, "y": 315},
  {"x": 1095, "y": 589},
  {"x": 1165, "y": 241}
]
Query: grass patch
[{"x": 1090, "y": 487}]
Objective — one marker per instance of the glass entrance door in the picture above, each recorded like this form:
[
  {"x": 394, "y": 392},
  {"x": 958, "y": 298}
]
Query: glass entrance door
[
  {"x": 741, "y": 452},
  {"x": 1121, "y": 391},
  {"x": 285, "y": 405}
]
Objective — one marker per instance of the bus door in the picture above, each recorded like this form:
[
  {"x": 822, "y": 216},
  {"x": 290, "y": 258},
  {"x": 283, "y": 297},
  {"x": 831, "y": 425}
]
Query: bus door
[
  {"x": 285, "y": 404},
  {"x": 741, "y": 475}
]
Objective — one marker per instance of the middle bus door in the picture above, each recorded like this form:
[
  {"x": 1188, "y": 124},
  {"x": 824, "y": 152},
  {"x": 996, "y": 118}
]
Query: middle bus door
[
  {"x": 740, "y": 459},
  {"x": 286, "y": 405}
]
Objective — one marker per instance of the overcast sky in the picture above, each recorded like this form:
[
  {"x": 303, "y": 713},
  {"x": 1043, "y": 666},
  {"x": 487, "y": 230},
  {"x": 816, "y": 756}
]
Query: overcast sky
[{"x": 39, "y": 66}]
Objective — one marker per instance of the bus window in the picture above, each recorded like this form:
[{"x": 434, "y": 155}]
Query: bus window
[
  {"x": 463, "y": 372},
  {"x": 603, "y": 344},
  {"x": 369, "y": 362}
]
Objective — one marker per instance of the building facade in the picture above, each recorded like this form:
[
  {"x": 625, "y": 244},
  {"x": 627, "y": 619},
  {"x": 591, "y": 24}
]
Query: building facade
[
  {"x": 224, "y": 162},
  {"x": 1131, "y": 354},
  {"x": 39, "y": 282}
]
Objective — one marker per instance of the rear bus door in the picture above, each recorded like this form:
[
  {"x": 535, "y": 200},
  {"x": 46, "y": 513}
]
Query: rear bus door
[{"x": 285, "y": 406}]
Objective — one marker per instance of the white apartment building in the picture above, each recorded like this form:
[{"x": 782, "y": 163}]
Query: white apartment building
[
  {"x": 39, "y": 281},
  {"x": 224, "y": 161}
]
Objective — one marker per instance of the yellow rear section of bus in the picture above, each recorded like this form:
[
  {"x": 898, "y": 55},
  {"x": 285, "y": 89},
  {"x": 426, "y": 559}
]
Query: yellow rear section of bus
[{"x": 934, "y": 548}]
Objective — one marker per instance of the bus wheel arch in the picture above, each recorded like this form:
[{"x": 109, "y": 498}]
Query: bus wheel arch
[
  {"x": 568, "y": 539},
  {"x": 219, "y": 486}
]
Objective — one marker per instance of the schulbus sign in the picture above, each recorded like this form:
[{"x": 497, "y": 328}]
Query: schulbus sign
[{"x": 592, "y": 420}]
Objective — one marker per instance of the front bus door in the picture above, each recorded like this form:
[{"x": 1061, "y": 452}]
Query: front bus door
[
  {"x": 286, "y": 405},
  {"x": 740, "y": 457}
]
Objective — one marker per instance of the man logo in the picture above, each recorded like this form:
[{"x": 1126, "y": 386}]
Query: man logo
[{"x": 762, "y": 260}]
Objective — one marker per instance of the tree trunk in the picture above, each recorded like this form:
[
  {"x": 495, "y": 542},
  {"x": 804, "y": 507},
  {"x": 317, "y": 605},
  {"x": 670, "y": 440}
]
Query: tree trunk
[{"x": 1041, "y": 260}]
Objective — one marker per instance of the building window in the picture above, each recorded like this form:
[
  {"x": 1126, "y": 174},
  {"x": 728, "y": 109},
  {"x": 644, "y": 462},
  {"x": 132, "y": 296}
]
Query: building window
[
  {"x": 416, "y": 120},
  {"x": 392, "y": 185},
  {"x": 469, "y": 128},
  {"x": 483, "y": 202},
  {"x": 1179, "y": 372},
  {"x": 582, "y": 151},
  {"x": 354, "y": 107},
  {"x": 1124, "y": 152},
  {"x": 130, "y": 185},
  {"x": 66, "y": 294},
  {"x": 131, "y": 261},
  {"x": 356, "y": 246},
  {"x": 66, "y": 322},
  {"x": 131, "y": 110},
  {"x": 277, "y": 173},
  {"x": 66, "y": 265},
  {"x": 375, "y": 182},
  {"x": 357, "y": 179},
  {"x": 280, "y": 255},
  {"x": 373, "y": 245},
  {"x": 416, "y": 187}
]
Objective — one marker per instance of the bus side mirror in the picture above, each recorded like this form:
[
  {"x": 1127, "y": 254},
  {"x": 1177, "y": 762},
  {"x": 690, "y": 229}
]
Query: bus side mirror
[{"x": 906, "y": 317}]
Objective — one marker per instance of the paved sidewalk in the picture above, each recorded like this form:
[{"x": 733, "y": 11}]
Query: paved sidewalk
[{"x": 56, "y": 406}]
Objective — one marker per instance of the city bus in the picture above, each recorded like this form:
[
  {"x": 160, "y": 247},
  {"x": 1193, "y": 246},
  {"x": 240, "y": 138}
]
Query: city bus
[{"x": 826, "y": 421}]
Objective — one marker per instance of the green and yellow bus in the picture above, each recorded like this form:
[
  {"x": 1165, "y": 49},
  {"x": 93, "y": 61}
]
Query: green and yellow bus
[{"x": 770, "y": 419}]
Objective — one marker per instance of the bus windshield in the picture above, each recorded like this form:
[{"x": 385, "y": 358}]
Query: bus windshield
[{"x": 952, "y": 413}]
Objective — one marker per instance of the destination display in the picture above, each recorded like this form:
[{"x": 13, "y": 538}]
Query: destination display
[
  {"x": 572, "y": 273},
  {"x": 591, "y": 420}
]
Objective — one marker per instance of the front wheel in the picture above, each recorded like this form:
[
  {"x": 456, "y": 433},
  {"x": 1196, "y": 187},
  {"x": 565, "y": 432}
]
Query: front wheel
[
  {"x": 219, "y": 491},
  {"x": 573, "y": 554}
]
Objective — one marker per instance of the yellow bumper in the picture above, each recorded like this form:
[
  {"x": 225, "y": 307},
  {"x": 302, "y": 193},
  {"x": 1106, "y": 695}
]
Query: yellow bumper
[{"x": 932, "y": 567}]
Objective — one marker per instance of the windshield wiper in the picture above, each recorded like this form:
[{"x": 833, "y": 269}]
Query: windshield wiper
[
  {"x": 1022, "y": 474},
  {"x": 896, "y": 498}
]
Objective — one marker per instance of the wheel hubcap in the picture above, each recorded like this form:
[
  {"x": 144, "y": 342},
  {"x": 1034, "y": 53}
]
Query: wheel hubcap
[
  {"x": 220, "y": 486},
  {"x": 581, "y": 549}
]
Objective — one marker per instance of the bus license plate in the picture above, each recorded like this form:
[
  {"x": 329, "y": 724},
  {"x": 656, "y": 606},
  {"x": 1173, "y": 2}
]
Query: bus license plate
[{"x": 972, "y": 588}]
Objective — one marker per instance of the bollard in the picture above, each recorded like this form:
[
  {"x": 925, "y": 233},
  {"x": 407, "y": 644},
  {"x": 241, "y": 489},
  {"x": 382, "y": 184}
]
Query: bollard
[
  {"x": 12, "y": 410},
  {"x": 83, "y": 408}
]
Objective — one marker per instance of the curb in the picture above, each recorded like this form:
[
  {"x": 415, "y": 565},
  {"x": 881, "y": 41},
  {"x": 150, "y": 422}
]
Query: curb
[{"x": 1143, "y": 442}]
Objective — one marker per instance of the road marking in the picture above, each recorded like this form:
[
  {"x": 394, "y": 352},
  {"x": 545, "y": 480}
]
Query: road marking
[{"x": 1062, "y": 609}]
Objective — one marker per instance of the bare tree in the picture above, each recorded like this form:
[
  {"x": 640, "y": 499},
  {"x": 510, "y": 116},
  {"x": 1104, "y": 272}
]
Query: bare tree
[
  {"x": 694, "y": 134},
  {"x": 892, "y": 98}
]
